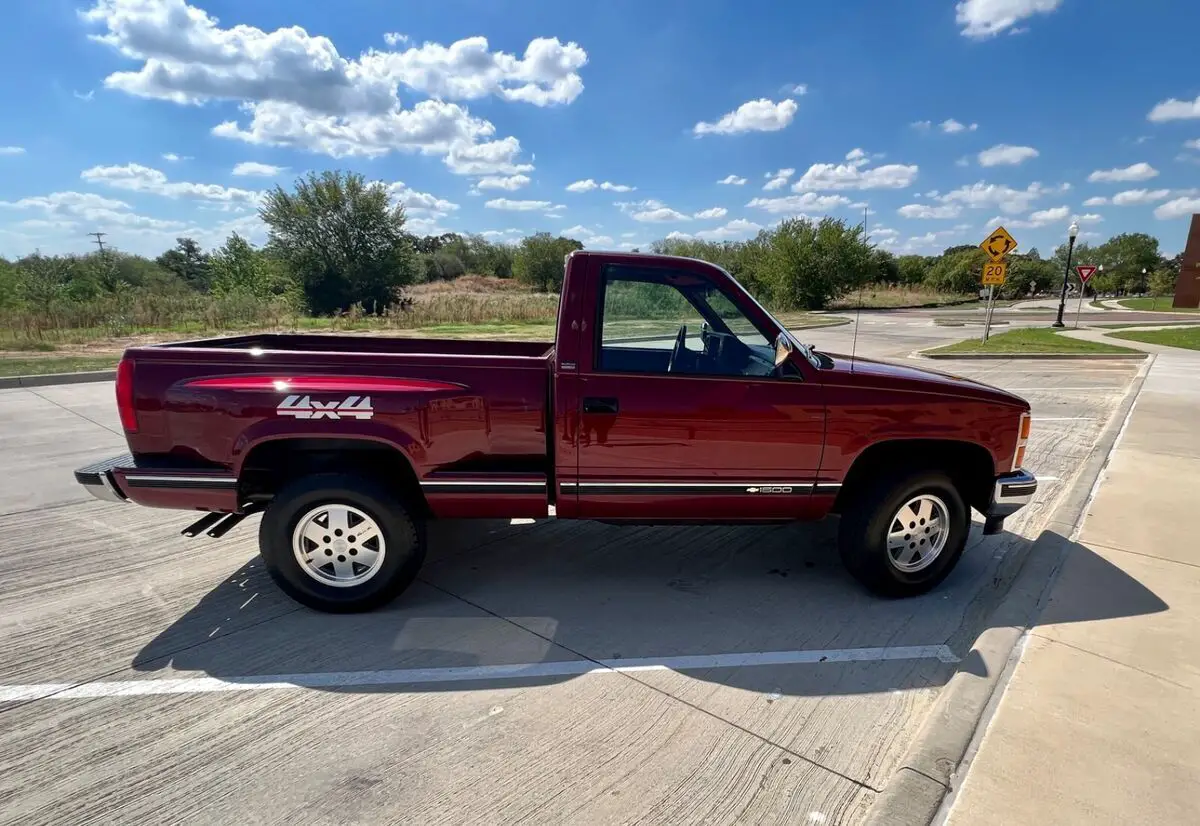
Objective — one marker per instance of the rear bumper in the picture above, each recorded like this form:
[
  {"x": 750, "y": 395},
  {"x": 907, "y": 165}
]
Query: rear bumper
[
  {"x": 159, "y": 484},
  {"x": 1011, "y": 492}
]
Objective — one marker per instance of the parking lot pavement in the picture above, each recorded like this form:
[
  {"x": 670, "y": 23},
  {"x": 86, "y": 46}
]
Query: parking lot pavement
[{"x": 548, "y": 672}]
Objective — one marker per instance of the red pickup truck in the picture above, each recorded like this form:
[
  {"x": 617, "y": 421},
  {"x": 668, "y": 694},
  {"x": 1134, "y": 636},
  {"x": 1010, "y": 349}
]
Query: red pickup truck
[{"x": 668, "y": 396}]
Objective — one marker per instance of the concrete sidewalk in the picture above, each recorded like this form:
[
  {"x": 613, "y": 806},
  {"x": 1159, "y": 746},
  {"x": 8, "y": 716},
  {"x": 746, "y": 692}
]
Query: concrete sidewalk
[{"x": 1100, "y": 722}]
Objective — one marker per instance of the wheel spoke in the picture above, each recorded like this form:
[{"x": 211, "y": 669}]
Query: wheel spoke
[
  {"x": 343, "y": 567},
  {"x": 366, "y": 557},
  {"x": 315, "y": 533},
  {"x": 339, "y": 518},
  {"x": 909, "y": 555}
]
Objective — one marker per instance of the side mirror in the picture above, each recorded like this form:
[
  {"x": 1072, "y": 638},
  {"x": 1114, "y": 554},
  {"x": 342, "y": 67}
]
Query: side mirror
[{"x": 783, "y": 348}]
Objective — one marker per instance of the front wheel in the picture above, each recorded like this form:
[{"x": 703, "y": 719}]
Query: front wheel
[
  {"x": 903, "y": 534},
  {"x": 340, "y": 543}
]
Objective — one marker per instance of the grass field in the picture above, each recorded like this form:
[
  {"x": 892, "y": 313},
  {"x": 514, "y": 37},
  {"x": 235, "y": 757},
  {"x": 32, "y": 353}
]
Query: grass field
[
  {"x": 1186, "y": 337},
  {"x": 42, "y": 366},
  {"x": 1029, "y": 341},
  {"x": 895, "y": 298},
  {"x": 1162, "y": 305}
]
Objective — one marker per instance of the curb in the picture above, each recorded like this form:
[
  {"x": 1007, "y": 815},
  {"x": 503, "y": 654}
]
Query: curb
[
  {"x": 916, "y": 791},
  {"x": 7, "y": 382},
  {"x": 1060, "y": 356}
]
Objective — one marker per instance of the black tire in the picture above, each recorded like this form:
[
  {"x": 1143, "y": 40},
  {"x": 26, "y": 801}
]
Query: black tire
[
  {"x": 403, "y": 534},
  {"x": 863, "y": 534}
]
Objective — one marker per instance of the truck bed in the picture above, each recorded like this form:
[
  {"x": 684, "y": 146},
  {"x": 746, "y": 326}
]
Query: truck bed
[{"x": 334, "y": 343}]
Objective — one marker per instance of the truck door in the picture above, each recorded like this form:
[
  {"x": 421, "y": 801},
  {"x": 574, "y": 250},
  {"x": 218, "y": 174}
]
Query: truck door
[{"x": 682, "y": 414}]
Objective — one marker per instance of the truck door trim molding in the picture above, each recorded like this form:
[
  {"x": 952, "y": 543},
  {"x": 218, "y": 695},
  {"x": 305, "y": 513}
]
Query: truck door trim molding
[
  {"x": 481, "y": 486},
  {"x": 774, "y": 488}
]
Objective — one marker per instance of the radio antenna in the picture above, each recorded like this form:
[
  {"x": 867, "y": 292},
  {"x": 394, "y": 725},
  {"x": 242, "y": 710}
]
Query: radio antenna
[{"x": 858, "y": 309}]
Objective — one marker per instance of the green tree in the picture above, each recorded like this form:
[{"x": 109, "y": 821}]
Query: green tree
[
  {"x": 238, "y": 269},
  {"x": 343, "y": 240},
  {"x": 887, "y": 270},
  {"x": 913, "y": 269},
  {"x": 8, "y": 285},
  {"x": 188, "y": 262},
  {"x": 539, "y": 260},
  {"x": 1162, "y": 282},
  {"x": 959, "y": 271},
  {"x": 1125, "y": 256},
  {"x": 806, "y": 265}
]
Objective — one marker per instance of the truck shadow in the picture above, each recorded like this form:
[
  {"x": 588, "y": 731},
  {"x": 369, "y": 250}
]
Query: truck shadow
[{"x": 553, "y": 597}]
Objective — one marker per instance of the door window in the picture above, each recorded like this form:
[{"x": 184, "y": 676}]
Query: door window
[{"x": 657, "y": 320}]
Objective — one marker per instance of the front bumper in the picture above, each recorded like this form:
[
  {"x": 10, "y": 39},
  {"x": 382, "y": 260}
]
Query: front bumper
[{"x": 1011, "y": 492}]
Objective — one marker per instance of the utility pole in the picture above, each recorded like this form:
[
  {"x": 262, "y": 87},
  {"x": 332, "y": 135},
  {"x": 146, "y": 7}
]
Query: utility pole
[{"x": 99, "y": 236}]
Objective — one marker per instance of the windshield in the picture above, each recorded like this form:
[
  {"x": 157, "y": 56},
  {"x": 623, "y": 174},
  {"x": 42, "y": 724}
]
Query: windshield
[{"x": 806, "y": 349}]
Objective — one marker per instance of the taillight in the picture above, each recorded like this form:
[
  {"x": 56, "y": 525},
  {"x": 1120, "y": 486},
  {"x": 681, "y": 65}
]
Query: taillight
[
  {"x": 125, "y": 405},
  {"x": 1026, "y": 428}
]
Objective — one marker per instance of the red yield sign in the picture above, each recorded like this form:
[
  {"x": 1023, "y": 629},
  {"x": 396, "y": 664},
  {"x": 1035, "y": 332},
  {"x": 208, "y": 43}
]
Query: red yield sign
[{"x": 1085, "y": 273}]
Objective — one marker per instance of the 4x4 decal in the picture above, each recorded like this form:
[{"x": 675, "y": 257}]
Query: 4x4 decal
[{"x": 303, "y": 407}]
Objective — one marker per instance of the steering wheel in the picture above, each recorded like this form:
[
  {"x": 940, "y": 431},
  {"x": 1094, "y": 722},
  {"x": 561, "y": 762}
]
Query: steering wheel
[{"x": 680, "y": 339}]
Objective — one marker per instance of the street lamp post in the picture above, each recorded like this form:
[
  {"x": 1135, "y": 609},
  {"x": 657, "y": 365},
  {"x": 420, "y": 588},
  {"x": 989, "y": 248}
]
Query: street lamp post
[
  {"x": 1143, "y": 280},
  {"x": 1072, "y": 232}
]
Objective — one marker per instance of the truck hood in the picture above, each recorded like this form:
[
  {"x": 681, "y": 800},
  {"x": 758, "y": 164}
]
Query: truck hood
[{"x": 861, "y": 372}]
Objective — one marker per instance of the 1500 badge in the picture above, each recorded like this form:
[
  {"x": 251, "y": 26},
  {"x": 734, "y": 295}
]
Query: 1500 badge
[{"x": 303, "y": 407}]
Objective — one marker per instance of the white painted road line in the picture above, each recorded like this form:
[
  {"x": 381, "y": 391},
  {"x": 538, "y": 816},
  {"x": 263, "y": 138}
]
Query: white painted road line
[
  {"x": 1064, "y": 418},
  {"x": 518, "y": 671}
]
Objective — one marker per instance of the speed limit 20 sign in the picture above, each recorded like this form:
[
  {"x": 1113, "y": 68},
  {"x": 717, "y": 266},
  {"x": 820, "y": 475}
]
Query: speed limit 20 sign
[{"x": 994, "y": 273}]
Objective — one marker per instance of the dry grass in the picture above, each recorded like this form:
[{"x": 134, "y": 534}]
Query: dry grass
[{"x": 894, "y": 298}]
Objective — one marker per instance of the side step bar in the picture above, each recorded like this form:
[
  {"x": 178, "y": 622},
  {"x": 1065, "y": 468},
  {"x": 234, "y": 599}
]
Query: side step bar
[{"x": 216, "y": 525}]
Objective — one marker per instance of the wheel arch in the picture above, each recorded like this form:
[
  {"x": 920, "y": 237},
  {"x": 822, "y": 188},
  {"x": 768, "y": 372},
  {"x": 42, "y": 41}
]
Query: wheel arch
[
  {"x": 969, "y": 465},
  {"x": 274, "y": 462}
]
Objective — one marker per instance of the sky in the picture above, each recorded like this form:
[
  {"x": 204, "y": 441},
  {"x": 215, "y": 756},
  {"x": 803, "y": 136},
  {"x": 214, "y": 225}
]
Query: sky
[{"x": 616, "y": 123}]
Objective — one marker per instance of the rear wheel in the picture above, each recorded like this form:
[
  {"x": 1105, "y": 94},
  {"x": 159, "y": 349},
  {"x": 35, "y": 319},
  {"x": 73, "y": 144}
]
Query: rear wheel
[
  {"x": 904, "y": 533},
  {"x": 340, "y": 543}
]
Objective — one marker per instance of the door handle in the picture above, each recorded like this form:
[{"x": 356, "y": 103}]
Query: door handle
[{"x": 597, "y": 405}]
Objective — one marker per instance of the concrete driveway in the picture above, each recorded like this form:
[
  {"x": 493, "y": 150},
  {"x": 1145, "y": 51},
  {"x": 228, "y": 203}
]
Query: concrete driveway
[{"x": 548, "y": 672}]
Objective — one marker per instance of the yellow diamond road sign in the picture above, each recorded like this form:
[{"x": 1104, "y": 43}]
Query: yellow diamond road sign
[
  {"x": 999, "y": 244},
  {"x": 994, "y": 273}
]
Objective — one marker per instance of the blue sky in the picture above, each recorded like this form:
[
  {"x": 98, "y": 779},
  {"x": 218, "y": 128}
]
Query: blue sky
[{"x": 618, "y": 121}]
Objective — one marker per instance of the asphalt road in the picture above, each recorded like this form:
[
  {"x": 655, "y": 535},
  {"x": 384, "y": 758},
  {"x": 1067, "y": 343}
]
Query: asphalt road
[{"x": 545, "y": 673}]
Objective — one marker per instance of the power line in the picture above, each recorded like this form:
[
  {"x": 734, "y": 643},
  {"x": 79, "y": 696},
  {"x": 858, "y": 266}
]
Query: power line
[{"x": 99, "y": 236}]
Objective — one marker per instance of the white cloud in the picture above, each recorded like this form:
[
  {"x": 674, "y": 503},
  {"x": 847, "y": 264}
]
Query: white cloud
[
  {"x": 298, "y": 91},
  {"x": 986, "y": 18},
  {"x": 714, "y": 212},
  {"x": 760, "y": 115},
  {"x": 732, "y": 180},
  {"x": 86, "y": 97},
  {"x": 1192, "y": 144},
  {"x": 1089, "y": 218},
  {"x": 1008, "y": 200},
  {"x": 12, "y": 150},
  {"x": 795, "y": 204},
  {"x": 738, "y": 227},
  {"x": 419, "y": 203},
  {"x": 521, "y": 206},
  {"x": 795, "y": 89},
  {"x": 138, "y": 178},
  {"x": 1005, "y": 155},
  {"x": 678, "y": 236},
  {"x": 1131, "y": 197},
  {"x": 262, "y": 170},
  {"x": 929, "y": 211},
  {"x": 189, "y": 58},
  {"x": 922, "y": 125},
  {"x": 492, "y": 158},
  {"x": 588, "y": 185},
  {"x": 1136, "y": 172},
  {"x": 778, "y": 179},
  {"x": 953, "y": 127},
  {"x": 963, "y": 161},
  {"x": 511, "y": 183},
  {"x": 659, "y": 214},
  {"x": 634, "y": 206},
  {"x": 1175, "y": 110},
  {"x": 1094, "y": 202},
  {"x": 395, "y": 38},
  {"x": 171, "y": 157},
  {"x": 1178, "y": 208},
  {"x": 97, "y": 211},
  {"x": 855, "y": 174}
]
